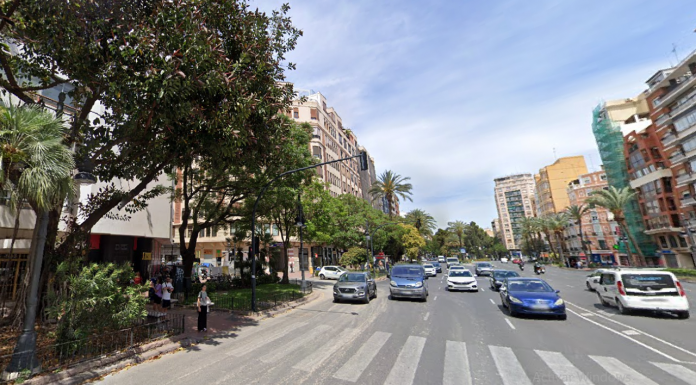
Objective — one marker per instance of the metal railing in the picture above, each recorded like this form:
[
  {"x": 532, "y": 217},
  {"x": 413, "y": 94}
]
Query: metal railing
[
  {"x": 228, "y": 302},
  {"x": 68, "y": 354}
]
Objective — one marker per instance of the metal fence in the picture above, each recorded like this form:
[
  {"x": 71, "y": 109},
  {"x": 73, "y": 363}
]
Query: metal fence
[
  {"x": 227, "y": 301},
  {"x": 68, "y": 354}
]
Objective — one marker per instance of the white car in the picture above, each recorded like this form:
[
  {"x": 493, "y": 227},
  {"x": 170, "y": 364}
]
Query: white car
[
  {"x": 504, "y": 260},
  {"x": 638, "y": 289},
  {"x": 331, "y": 272},
  {"x": 461, "y": 279},
  {"x": 430, "y": 270},
  {"x": 592, "y": 280},
  {"x": 441, "y": 258},
  {"x": 452, "y": 260}
]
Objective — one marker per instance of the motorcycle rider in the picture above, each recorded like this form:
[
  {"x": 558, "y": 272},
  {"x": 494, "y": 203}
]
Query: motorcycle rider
[
  {"x": 521, "y": 264},
  {"x": 537, "y": 266}
]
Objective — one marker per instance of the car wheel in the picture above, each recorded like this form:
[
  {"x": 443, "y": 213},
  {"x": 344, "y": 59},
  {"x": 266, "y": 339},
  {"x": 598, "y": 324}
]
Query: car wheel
[
  {"x": 512, "y": 312},
  {"x": 683, "y": 314},
  {"x": 447, "y": 288},
  {"x": 602, "y": 301},
  {"x": 374, "y": 295},
  {"x": 367, "y": 298},
  {"x": 589, "y": 287},
  {"x": 322, "y": 276},
  {"x": 622, "y": 308},
  {"x": 563, "y": 317},
  {"x": 336, "y": 300}
]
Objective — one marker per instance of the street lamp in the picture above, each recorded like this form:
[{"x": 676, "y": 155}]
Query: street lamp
[
  {"x": 367, "y": 246},
  {"x": 300, "y": 224}
]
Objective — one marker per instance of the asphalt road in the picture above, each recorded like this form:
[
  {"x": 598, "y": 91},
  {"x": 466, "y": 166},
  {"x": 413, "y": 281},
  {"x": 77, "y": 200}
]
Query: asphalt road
[{"x": 453, "y": 338}]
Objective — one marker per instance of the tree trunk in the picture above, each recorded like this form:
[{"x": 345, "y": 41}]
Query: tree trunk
[
  {"x": 640, "y": 259},
  {"x": 550, "y": 240},
  {"x": 286, "y": 262},
  {"x": 582, "y": 240},
  {"x": 560, "y": 246}
]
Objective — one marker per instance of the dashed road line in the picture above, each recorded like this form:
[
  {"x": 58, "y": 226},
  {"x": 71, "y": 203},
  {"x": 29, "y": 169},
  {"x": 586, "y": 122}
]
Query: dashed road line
[
  {"x": 490, "y": 299},
  {"x": 510, "y": 323},
  {"x": 426, "y": 316}
]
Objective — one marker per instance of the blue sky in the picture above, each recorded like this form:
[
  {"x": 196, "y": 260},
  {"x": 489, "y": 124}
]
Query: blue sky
[{"x": 457, "y": 93}]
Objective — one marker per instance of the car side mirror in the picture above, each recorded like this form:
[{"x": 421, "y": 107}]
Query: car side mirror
[{"x": 558, "y": 291}]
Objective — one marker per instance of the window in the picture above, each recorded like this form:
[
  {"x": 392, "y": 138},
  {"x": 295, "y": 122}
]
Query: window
[
  {"x": 296, "y": 113},
  {"x": 313, "y": 113}
]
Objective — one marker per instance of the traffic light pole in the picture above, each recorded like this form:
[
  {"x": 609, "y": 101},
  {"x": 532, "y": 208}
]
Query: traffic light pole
[{"x": 252, "y": 254}]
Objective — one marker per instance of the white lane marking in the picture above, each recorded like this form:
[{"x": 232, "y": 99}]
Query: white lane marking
[
  {"x": 426, "y": 316},
  {"x": 626, "y": 337},
  {"x": 640, "y": 331},
  {"x": 509, "y": 367},
  {"x": 631, "y": 332},
  {"x": 482, "y": 289},
  {"x": 284, "y": 349},
  {"x": 510, "y": 323},
  {"x": 247, "y": 348},
  {"x": 490, "y": 299},
  {"x": 678, "y": 371},
  {"x": 566, "y": 371},
  {"x": 435, "y": 299},
  {"x": 314, "y": 360},
  {"x": 457, "y": 370},
  {"x": 404, "y": 370},
  {"x": 622, "y": 372},
  {"x": 352, "y": 369},
  {"x": 605, "y": 313},
  {"x": 588, "y": 314}
]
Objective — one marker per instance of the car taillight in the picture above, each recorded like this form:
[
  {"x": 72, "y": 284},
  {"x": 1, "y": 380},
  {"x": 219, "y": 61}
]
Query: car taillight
[
  {"x": 619, "y": 285},
  {"x": 681, "y": 289}
]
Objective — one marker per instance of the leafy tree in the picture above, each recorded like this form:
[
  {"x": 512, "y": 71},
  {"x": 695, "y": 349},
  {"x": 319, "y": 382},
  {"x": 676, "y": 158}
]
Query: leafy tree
[
  {"x": 355, "y": 256},
  {"x": 391, "y": 186},
  {"x": 424, "y": 222},
  {"x": 413, "y": 241},
  {"x": 350, "y": 219},
  {"x": 616, "y": 200},
  {"x": 557, "y": 224}
]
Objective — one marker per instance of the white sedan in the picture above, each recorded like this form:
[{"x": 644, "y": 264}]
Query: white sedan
[
  {"x": 504, "y": 260},
  {"x": 592, "y": 280},
  {"x": 461, "y": 279},
  {"x": 430, "y": 270}
]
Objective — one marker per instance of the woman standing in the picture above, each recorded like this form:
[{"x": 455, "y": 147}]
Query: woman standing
[
  {"x": 158, "y": 298},
  {"x": 203, "y": 301}
]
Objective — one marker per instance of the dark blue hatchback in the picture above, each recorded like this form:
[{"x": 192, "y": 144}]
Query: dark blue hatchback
[{"x": 531, "y": 296}]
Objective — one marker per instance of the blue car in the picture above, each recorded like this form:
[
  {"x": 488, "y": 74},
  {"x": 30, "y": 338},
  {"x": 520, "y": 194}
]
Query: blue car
[
  {"x": 437, "y": 265},
  {"x": 408, "y": 281},
  {"x": 532, "y": 296}
]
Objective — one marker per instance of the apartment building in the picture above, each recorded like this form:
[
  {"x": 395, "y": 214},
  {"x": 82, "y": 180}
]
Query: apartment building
[
  {"x": 330, "y": 141},
  {"x": 551, "y": 182},
  {"x": 513, "y": 198},
  {"x": 598, "y": 227},
  {"x": 367, "y": 178},
  {"x": 671, "y": 101}
]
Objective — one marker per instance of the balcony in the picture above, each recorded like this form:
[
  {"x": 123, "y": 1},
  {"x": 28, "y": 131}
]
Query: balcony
[
  {"x": 669, "y": 140},
  {"x": 685, "y": 178},
  {"x": 689, "y": 201},
  {"x": 662, "y": 120},
  {"x": 683, "y": 82},
  {"x": 689, "y": 102},
  {"x": 677, "y": 157}
]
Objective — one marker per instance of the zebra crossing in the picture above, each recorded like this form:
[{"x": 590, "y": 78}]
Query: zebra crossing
[{"x": 457, "y": 363}]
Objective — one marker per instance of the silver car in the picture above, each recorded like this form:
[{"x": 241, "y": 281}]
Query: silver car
[{"x": 355, "y": 287}]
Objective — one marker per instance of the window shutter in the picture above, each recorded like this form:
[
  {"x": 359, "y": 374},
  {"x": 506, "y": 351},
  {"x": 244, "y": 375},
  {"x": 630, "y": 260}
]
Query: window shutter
[{"x": 313, "y": 113}]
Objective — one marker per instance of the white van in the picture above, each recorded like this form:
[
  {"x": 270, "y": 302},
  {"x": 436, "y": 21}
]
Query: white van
[
  {"x": 452, "y": 260},
  {"x": 441, "y": 258},
  {"x": 638, "y": 289}
]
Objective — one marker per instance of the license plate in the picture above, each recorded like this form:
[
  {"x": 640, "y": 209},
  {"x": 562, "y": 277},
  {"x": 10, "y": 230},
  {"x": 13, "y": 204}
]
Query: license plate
[
  {"x": 539, "y": 307},
  {"x": 654, "y": 300}
]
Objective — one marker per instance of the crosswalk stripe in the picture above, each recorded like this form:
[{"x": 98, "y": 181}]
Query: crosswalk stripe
[
  {"x": 247, "y": 348},
  {"x": 404, "y": 370},
  {"x": 569, "y": 374},
  {"x": 678, "y": 371},
  {"x": 509, "y": 367},
  {"x": 456, "y": 364},
  {"x": 283, "y": 350},
  {"x": 352, "y": 369},
  {"x": 621, "y": 371},
  {"x": 317, "y": 358}
]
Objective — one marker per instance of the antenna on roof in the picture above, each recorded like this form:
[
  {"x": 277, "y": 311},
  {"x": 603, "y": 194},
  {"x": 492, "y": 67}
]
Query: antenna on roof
[
  {"x": 674, "y": 51},
  {"x": 554, "y": 153}
]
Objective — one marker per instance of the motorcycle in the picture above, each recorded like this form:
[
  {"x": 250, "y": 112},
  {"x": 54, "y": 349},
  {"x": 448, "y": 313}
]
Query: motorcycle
[
  {"x": 540, "y": 270},
  {"x": 521, "y": 266}
]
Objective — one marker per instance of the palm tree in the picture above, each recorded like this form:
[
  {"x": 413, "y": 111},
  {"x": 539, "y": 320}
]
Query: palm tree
[
  {"x": 424, "y": 222},
  {"x": 37, "y": 169},
  {"x": 546, "y": 226},
  {"x": 575, "y": 213},
  {"x": 557, "y": 223},
  {"x": 616, "y": 200},
  {"x": 458, "y": 228},
  {"x": 391, "y": 186}
]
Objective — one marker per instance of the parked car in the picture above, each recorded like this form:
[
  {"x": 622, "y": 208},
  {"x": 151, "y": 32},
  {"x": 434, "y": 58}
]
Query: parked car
[
  {"x": 430, "y": 270},
  {"x": 504, "y": 260},
  {"x": 438, "y": 267},
  {"x": 331, "y": 272},
  {"x": 483, "y": 268},
  {"x": 592, "y": 280},
  {"x": 499, "y": 276},
  {"x": 638, "y": 289},
  {"x": 461, "y": 279},
  {"x": 452, "y": 260},
  {"x": 522, "y": 295},
  {"x": 408, "y": 281},
  {"x": 355, "y": 286}
]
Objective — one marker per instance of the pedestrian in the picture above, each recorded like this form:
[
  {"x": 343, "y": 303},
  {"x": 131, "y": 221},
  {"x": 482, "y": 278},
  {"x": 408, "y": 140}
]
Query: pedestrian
[
  {"x": 203, "y": 302},
  {"x": 292, "y": 266},
  {"x": 138, "y": 280},
  {"x": 153, "y": 297},
  {"x": 158, "y": 298},
  {"x": 167, "y": 290}
]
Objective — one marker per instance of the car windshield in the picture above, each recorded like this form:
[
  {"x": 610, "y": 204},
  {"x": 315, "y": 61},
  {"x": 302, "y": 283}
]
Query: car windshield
[
  {"x": 484, "y": 264},
  {"x": 505, "y": 274},
  {"x": 436, "y": 264},
  {"x": 428, "y": 266},
  {"x": 533, "y": 286},
  {"x": 352, "y": 277},
  {"x": 460, "y": 273},
  {"x": 645, "y": 281},
  {"x": 407, "y": 271}
]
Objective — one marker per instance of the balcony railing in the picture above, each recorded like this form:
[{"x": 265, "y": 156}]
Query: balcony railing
[
  {"x": 685, "y": 178},
  {"x": 669, "y": 139},
  {"x": 683, "y": 106},
  {"x": 683, "y": 81},
  {"x": 659, "y": 122},
  {"x": 677, "y": 158},
  {"x": 688, "y": 201}
]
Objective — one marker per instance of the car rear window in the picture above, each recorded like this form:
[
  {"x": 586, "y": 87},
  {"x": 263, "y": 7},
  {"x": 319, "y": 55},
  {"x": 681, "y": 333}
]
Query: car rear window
[
  {"x": 428, "y": 266},
  {"x": 644, "y": 281},
  {"x": 484, "y": 264},
  {"x": 404, "y": 271}
]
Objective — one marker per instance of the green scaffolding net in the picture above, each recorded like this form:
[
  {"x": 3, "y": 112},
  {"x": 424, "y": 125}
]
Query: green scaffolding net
[{"x": 610, "y": 142}]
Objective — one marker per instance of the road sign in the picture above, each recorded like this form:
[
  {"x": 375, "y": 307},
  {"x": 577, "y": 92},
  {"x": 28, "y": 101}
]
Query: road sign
[{"x": 462, "y": 251}]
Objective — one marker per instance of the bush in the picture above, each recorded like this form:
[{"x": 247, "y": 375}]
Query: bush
[
  {"x": 97, "y": 298},
  {"x": 683, "y": 272}
]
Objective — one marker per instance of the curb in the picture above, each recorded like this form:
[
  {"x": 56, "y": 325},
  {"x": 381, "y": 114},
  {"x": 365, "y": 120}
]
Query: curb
[{"x": 99, "y": 367}]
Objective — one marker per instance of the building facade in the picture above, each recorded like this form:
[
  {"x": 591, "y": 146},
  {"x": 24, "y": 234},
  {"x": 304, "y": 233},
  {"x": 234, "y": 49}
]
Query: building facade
[
  {"x": 551, "y": 182},
  {"x": 513, "y": 198},
  {"x": 598, "y": 227}
]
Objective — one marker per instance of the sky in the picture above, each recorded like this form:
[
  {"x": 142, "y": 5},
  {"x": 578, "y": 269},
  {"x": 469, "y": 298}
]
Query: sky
[{"x": 454, "y": 94}]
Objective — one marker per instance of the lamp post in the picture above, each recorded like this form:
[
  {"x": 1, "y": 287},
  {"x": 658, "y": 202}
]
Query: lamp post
[
  {"x": 299, "y": 223},
  {"x": 367, "y": 247}
]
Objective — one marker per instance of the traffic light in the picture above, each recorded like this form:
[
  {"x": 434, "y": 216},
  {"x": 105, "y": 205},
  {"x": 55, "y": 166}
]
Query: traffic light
[{"x": 363, "y": 161}]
